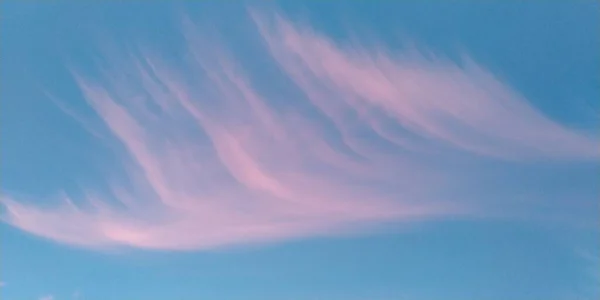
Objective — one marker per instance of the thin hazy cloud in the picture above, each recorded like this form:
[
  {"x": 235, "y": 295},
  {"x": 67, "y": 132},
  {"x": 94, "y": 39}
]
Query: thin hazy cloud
[{"x": 217, "y": 154}]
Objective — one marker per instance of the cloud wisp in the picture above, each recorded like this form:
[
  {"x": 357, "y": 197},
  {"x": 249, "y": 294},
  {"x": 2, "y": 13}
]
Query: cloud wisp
[{"x": 212, "y": 157}]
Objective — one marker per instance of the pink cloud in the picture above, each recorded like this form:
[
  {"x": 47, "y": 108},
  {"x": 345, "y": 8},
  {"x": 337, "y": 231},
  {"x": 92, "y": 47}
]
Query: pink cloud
[
  {"x": 462, "y": 106},
  {"x": 211, "y": 161}
]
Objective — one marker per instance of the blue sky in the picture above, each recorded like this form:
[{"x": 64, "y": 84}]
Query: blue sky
[{"x": 335, "y": 150}]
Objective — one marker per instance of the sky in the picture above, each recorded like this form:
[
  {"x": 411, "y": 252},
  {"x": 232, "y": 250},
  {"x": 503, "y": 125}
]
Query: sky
[{"x": 300, "y": 150}]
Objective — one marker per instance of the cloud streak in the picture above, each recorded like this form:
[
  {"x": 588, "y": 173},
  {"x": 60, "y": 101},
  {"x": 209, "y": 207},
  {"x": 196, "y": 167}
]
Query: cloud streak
[{"x": 213, "y": 158}]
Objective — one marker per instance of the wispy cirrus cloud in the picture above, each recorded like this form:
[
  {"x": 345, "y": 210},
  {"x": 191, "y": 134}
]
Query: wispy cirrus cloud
[
  {"x": 464, "y": 106},
  {"x": 213, "y": 158}
]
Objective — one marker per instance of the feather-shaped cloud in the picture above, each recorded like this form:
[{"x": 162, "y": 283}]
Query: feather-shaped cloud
[{"x": 363, "y": 137}]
